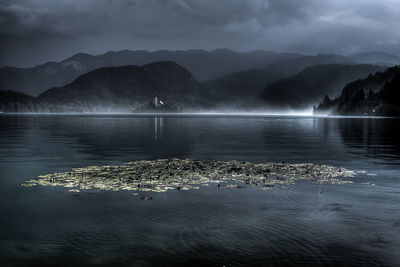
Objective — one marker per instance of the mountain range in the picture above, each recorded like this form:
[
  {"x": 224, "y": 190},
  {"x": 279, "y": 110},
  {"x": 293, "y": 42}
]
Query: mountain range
[
  {"x": 306, "y": 88},
  {"x": 204, "y": 65},
  {"x": 376, "y": 57},
  {"x": 292, "y": 66},
  {"x": 121, "y": 88},
  {"x": 242, "y": 87},
  {"x": 289, "y": 81}
]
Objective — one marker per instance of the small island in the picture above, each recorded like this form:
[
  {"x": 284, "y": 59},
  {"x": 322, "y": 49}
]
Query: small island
[
  {"x": 157, "y": 106},
  {"x": 185, "y": 174}
]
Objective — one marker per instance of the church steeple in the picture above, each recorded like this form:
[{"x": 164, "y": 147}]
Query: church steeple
[{"x": 155, "y": 100}]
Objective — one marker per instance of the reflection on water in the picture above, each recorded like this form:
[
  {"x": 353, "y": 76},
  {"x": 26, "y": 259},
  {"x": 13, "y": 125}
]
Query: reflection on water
[
  {"x": 378, "y": 138},
  {"x": 328, "y": 225},
  {"x": 255, "y": 139},
  {"x": 158, "y": 127}
]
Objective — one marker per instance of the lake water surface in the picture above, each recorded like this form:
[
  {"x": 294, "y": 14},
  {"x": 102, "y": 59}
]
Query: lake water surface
[{"x": 354, "y": 224}]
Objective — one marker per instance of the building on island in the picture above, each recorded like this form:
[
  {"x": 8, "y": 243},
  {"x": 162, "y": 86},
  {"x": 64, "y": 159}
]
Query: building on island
[{"x": 157, "y": 105}]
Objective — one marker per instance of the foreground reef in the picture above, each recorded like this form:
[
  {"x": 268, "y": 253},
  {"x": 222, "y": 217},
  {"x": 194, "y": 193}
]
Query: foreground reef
[{"x": 167, "y": 174}]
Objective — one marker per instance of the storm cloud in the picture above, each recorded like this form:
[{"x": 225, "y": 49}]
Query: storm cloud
[{"x": 33, "y": 32}]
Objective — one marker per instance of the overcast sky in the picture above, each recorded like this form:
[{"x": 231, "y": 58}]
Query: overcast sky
[{"x": 36, "y": 31}]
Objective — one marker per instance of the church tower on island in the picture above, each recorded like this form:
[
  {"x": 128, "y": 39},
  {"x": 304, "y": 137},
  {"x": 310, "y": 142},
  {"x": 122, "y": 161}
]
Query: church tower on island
[{"x": 155, "y": 103}]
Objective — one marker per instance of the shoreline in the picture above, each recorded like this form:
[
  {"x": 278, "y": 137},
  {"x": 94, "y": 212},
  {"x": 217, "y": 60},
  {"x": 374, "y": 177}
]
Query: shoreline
[{"x": 183, "y": 114}]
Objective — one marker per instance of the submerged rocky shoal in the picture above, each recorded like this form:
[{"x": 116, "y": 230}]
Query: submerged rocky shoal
[{"x": 184, "y": 174}]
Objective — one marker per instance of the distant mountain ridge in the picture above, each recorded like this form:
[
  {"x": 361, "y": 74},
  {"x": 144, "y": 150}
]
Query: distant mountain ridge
[
  {"x": 204, "y": 65},
  {"x": 115, "y": 89},
  {"x": 307, "y": 88},
  {"x": 292, "y": 66},
  {"x": 124, "y": 87},
  {"x": 376, "y": 57},
  {"x": 240, "y": 87}
]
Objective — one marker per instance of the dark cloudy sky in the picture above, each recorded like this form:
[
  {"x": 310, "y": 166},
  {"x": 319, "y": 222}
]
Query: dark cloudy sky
[{"x": 32, "y": 32}]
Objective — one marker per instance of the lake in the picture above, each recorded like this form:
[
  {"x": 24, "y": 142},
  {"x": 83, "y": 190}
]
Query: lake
[{"x": 355, "y": 224}]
